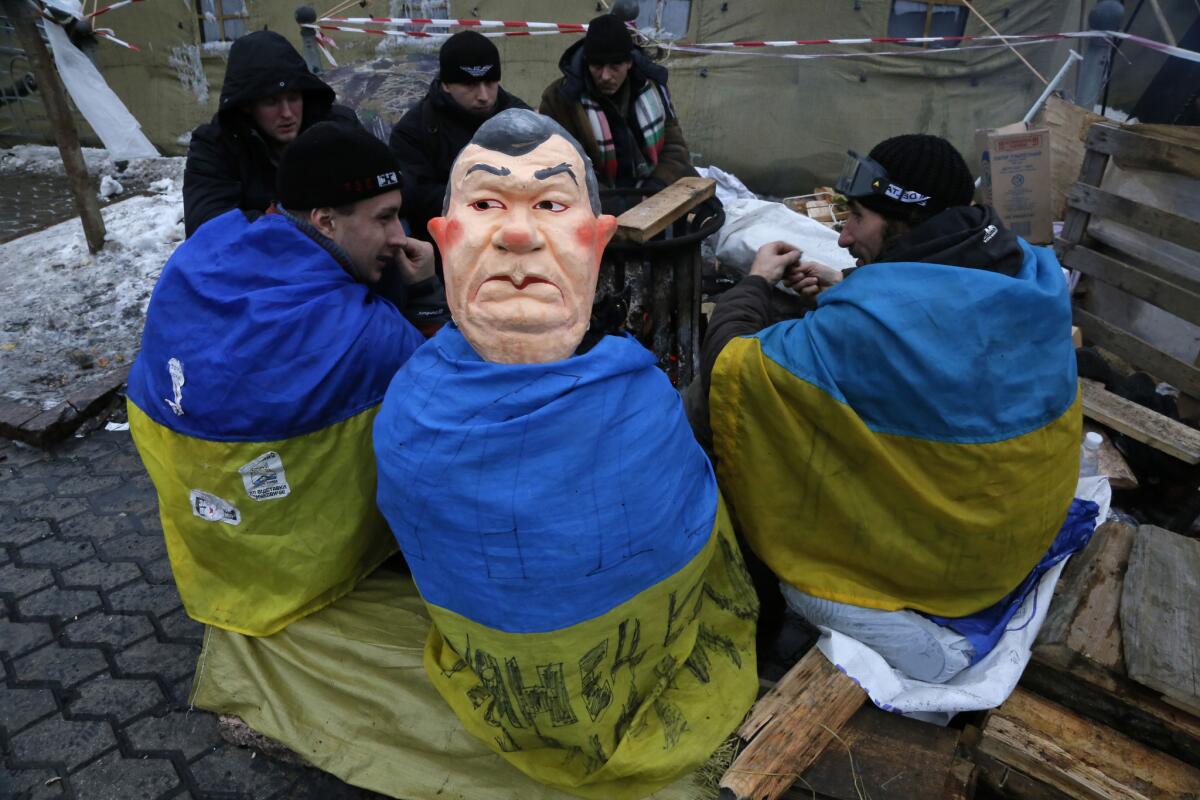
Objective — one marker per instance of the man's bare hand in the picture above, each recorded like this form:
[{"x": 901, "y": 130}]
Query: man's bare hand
[
  {"x": 810, "y": 278},
  {"x": 772, "y": 260},
  {"x": 415, "y": 261}
]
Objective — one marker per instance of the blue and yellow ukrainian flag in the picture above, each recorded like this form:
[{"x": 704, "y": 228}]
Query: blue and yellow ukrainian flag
[
  {"x": 913, "y": 443},
  {"x": 263, "y": 364},
  {"x": 593, "y": 619}
]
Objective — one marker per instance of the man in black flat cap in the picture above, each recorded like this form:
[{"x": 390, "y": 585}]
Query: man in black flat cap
[{"x": 465, "y": 94}]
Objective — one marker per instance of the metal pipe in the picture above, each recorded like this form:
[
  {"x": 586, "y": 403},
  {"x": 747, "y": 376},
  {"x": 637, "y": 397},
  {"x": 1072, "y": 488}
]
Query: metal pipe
[{"x": 1072, "y": 57}]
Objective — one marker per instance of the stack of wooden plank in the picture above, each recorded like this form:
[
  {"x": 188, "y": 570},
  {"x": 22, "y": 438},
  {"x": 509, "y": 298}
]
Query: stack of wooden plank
[
  {"x": 1130, "y": 258},
  {"x": 822, "y": 204},
  {"x": 1106, "y": 709},
  {"x": 1101, "y": 708}
]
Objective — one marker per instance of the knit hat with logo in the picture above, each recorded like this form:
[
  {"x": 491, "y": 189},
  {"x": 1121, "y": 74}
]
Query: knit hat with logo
[
  {"x": 607, "y": 41},
  {"x": 334, "y": 164},
  {"x": 469, "y": 57},
  {"x": 926, "y": 164}
]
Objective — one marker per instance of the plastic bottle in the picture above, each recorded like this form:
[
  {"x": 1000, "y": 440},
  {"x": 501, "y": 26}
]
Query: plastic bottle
[{"x": 1089, "y": 455}]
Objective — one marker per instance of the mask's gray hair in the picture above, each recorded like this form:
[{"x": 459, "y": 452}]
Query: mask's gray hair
[{"x": 518, "y": 131}]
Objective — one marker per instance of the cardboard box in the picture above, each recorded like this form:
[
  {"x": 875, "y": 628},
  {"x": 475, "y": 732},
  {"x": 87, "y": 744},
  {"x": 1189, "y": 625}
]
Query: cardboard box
[{"x": 1014, "y": 165}]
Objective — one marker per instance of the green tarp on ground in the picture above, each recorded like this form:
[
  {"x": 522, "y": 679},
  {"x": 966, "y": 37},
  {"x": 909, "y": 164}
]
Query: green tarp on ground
[{"x": 346, "y": 689}]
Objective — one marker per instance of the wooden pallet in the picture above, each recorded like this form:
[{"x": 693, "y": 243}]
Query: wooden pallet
[{"x": 1135, "y": 273}]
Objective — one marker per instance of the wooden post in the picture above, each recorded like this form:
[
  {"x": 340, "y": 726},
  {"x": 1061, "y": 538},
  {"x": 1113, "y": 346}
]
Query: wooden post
[{"x": 54, "y": 95}]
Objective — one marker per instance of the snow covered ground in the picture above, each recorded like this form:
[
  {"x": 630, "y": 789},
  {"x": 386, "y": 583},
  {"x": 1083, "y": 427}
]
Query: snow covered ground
[{"x": 71, "y": 316}]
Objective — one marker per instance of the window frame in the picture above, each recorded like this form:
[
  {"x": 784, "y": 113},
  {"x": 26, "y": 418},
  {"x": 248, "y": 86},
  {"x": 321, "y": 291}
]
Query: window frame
[
  {"x": 930, "y": 9},
  {"x": 219, "y": 17}
]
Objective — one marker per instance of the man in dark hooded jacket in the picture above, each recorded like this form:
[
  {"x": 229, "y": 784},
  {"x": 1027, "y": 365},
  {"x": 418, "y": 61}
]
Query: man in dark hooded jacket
[
  {"x": 613, "y": 99},
  {"x": 465, "y": 94},
  {"x": 269, "y": 97}
]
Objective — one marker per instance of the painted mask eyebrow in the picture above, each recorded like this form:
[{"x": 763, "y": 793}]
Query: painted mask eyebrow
[
  {"x": 549, "y": 172},
  {"x": 488, "y": 168}
]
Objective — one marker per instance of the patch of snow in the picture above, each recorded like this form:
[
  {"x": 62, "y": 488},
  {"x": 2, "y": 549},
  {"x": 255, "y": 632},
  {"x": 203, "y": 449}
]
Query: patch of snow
[
  {"x": 71, "y": 315},
  {"x": 25, "y": 158},
  {"x": 220, "y": 48},
  {"x": 184, "y": 139},
  {"x": 185, "y": 59},
  {"x": 110, "y": 187}
]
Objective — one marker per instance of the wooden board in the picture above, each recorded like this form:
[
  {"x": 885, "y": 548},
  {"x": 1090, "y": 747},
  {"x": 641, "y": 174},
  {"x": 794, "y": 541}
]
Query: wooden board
[
  {"x": 883, "y": 755},
  {"x": 1100, "y": 694},
  {"x": 652, "y": 216},
  {"x": 1079, "y": 757},
  {"x": 1083, "y": 613},
  {"x": 1147, "y": 219},
  {"x": 1091, "y": 174},
  {"x": 1138, "y": 352},
  {"x": 1179, "y": 299},
  {"x": 1134, "y": 150},
  {"x": 1068, "y": 125},
  {"x": 1112, "y": 463},
  {"x": 789, "y": 727},
  {"x": 1160, "y": 614},
  {"x": 1149, "y": 427}
]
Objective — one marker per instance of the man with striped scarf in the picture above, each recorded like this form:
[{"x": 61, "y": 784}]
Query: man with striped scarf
[{"x": 613, "y": 99}]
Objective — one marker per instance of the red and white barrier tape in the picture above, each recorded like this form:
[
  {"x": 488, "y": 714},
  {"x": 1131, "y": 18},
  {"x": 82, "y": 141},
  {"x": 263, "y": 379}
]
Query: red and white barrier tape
[
  {"x": 563, "y": 27},
  {"x": 426, "y": 35},
  {"x": 744, "y": 47},
  {"x": 106, "y": 9},
  {"x": 106, "y": 33}
]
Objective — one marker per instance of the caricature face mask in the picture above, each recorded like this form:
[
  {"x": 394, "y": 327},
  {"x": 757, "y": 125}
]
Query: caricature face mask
[{"x": 521, "y": 251}]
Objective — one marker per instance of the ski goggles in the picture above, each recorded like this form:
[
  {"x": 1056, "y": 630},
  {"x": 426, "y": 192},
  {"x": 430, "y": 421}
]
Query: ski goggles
[{"x": 863, "y": 177}]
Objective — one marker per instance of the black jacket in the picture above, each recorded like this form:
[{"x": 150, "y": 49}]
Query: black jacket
[
  {"x": 426, "y": 141},
  {"x": 229, "y": 164}
]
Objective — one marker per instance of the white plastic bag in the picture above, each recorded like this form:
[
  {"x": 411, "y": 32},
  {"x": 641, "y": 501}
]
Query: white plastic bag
[{"x": 99, "y": 104}]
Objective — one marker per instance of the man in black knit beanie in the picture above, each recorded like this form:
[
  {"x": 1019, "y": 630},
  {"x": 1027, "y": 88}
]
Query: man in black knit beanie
[{"x": 924, "y": 250}]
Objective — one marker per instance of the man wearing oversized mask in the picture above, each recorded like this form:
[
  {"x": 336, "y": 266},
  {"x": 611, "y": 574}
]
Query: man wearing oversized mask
[{"x": 593, "y": 622}]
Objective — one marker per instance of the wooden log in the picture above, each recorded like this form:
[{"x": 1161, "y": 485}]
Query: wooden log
[
  {"x": 1112, "y": 463},
  {"x": 879, "y": 754},
  {"x": 652, "y": 216},
  {"x": 1079, "y": 757},
  {"x": 54, "y": 97},
  {"x": 1083, "y": 614},
  {"x": 789, "y": 727},
  {"x": 1149, "y": 427},
  {"x": 1069, "y": 679},
  {"x": 1178, "y": 299},
  {"x": 1147, "y": 219},
  {"x": 1160, "y": 615},
  {"x": 960, "y": 781},
  {"x": 1133, "y": 150}
]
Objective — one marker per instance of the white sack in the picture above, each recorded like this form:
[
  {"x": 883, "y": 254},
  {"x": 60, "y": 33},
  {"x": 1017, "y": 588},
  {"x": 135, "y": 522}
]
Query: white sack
[
  {"x": 986, "y": 684},
  {"x": 749, "y": 224}
]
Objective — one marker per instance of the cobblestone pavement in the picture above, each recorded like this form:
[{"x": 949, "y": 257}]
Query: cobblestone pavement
[
  {"x": 31, "y": 201},
  {"x": 96, "y": 653}
]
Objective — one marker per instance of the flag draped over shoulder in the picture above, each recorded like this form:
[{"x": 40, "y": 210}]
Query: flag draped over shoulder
[
  {"x": 262, "y": 366},
  {"x": 593, "y": 620},
  {"x": 914, "y": 442}
]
